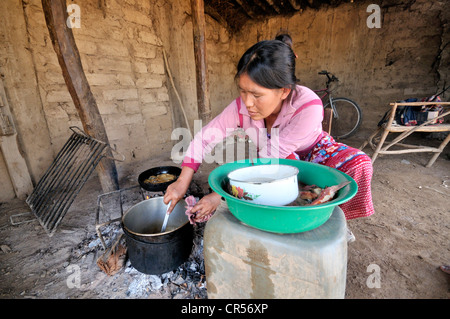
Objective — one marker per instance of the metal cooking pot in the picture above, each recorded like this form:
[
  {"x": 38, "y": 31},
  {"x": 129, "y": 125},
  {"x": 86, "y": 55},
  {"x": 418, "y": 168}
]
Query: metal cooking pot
[
  {"x": 157, "y": 171},
  {"x": 149, "y": 250}
]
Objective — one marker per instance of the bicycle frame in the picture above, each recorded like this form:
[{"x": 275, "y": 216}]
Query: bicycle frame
[
  {"x": 336, "y": 103},
  {"x": 326, "y": 92}
]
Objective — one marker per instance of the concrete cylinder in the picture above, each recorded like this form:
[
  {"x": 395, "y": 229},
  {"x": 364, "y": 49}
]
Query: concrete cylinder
[{"x": 242, "y": 262}]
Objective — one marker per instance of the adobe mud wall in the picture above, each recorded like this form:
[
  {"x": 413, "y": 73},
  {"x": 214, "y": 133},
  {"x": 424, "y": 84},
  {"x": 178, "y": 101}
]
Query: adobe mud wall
[
  {"x": 407, "y": 56},
  {"x": 122, "y": 46}
]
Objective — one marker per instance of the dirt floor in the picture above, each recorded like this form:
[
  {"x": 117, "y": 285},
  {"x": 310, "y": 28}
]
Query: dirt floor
[{"x": 405, "y": 242}]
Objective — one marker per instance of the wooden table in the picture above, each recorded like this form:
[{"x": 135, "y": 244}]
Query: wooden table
[{"x": 388, "y": 127}]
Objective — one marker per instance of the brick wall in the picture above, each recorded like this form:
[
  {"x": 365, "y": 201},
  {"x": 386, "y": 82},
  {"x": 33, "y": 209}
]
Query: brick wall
[{"x": 123, "y": 62}]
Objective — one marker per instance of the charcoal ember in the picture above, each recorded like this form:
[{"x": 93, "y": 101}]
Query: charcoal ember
[
  {"x": 196, "y": 277},
  {"x": 183, "y": 273}
]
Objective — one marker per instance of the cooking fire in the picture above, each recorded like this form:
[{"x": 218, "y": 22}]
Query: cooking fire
[{"x": 186, "y": 281}]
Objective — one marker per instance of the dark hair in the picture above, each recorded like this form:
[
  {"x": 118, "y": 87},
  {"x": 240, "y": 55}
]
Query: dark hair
[
  {"x": 286, "y": 38},
  {"x": 269, "y": 63}
]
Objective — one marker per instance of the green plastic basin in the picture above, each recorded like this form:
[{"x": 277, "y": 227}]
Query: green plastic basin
[{"x": 284, "y": 219}]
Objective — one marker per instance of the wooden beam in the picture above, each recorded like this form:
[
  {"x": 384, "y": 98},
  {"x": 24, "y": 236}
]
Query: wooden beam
[
  {"x": 327, "y": 119},
  {"x": 69, "y": 59},
  {"x": 274, "y": 6},
  {"x": 198, "y": 23},
  {"x": 247, "y": 9},
  {"x": 212, "y": 12},
  {"x": 10, "y": 148},
  {"x": 296, "y": 5},
  {"x": 264, "y": 6}
]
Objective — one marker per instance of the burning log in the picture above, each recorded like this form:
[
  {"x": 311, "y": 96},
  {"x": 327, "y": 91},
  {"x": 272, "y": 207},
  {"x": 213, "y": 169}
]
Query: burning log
[{"x": 113, "y": 259}]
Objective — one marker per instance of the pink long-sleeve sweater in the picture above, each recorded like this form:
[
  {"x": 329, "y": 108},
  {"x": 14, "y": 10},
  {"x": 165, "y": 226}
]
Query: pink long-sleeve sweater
[{"x": 296, "y": 130}]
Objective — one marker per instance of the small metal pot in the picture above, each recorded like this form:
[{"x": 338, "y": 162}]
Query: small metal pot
[
  {"x": 149, "y": 250},
  {"x": 157, "y": 171}
]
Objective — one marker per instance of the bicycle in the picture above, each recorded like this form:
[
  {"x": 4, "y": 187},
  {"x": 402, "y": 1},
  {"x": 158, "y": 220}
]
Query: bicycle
[{"x": 347, "y": 115}]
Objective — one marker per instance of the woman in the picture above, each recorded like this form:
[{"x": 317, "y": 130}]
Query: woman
[{"x": 272, "y": 102}]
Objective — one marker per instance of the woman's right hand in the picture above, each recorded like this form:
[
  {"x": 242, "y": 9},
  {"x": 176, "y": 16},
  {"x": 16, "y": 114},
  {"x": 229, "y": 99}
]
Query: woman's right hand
[{"x": 178, "y": 189}]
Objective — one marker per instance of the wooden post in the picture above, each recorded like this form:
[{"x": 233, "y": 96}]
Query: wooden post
[
  {"x": 198, "y": 22},
  {"x": 69, "y": 59},
  {"x": 9, "y": 145}
]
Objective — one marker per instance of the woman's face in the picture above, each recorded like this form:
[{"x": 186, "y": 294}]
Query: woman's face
[{"x": 261, "y": 102}]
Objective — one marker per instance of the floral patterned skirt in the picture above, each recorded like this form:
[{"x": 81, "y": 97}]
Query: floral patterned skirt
[{"x": 352, "y": 162}]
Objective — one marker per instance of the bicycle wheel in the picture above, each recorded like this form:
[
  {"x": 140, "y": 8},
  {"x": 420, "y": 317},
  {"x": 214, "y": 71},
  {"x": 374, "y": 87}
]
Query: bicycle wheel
[{"x": 347, "y": 117}]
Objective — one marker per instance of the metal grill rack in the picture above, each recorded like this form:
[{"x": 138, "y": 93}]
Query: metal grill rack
[{"x": 63, "y": 180}]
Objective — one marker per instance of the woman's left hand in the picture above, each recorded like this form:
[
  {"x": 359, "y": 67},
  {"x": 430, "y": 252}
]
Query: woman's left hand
[{"x": 207, "y": 205}]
